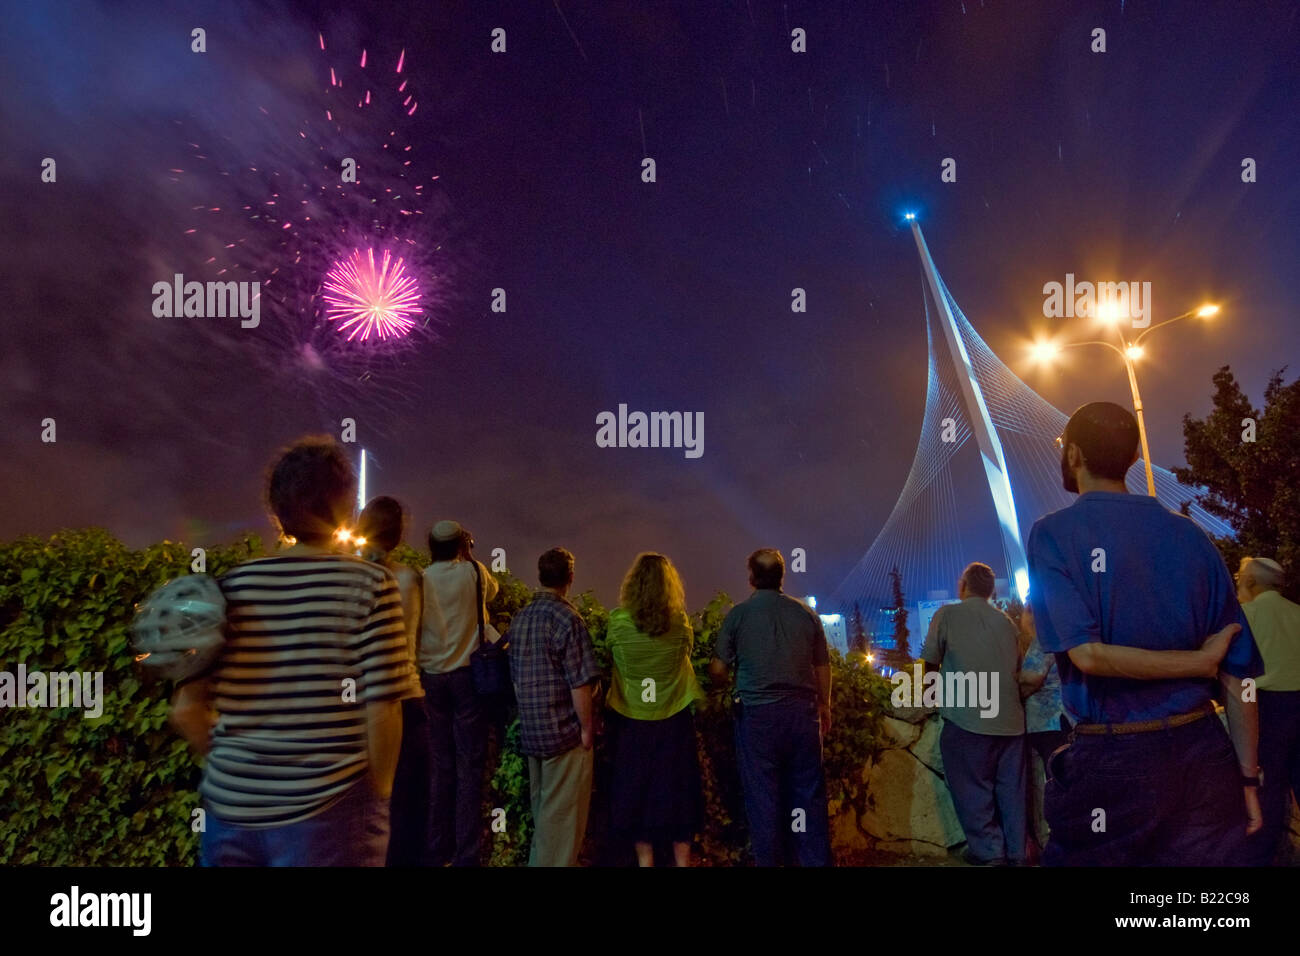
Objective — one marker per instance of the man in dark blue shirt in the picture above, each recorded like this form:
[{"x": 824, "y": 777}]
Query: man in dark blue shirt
[{"x": 1124, "y": 592}]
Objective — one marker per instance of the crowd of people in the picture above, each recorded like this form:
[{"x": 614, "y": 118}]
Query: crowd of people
[
  {"x": 1132, "y": 630},
  {"x": 347, "y": 718}
]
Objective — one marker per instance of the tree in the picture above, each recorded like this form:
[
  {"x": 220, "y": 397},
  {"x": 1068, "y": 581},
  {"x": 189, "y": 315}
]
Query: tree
[
  {"x": 901, "y": 649},
  {"x": 857, "y": 633},
  {"x": 1248, "y": 460}
]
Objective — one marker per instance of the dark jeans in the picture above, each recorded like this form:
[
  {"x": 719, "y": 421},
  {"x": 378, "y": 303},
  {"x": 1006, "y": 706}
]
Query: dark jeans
[
  {"x": 353, "y": 831},
  {"x": 408, "y": 844},
  {"x": 989, "y": 783},
  {"x": 1169, "y": 797},
  {"x": 458, "y": 729},
  {"x": 1279, "y": 757},
  {"x": 779, "y": 750}
]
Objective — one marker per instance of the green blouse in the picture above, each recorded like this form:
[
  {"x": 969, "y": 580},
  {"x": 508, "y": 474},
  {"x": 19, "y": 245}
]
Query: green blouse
[{"x": 653, "y": 678}]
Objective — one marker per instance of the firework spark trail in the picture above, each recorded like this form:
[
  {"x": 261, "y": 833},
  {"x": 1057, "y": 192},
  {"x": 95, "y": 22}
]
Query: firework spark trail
[
  {"x": 287, "y": 218},
  {"x": 383, "y": 301}
]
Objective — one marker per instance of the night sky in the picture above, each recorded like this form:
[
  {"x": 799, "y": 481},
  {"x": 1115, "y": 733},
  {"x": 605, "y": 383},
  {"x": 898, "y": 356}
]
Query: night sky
[{"x": 775, "y": 170}]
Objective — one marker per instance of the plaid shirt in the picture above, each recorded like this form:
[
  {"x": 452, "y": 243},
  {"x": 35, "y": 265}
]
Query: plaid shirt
[{"x": 550, "y": 654}]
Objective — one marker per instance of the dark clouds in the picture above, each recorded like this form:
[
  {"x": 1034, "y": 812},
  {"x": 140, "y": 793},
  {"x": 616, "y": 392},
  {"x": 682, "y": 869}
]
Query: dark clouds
[{"x": 775, "y": 171}]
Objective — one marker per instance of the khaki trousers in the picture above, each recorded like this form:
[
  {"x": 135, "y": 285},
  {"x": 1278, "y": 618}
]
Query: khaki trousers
[{"x": 560, "y": 790}]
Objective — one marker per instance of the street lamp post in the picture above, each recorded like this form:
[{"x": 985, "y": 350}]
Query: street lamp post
[
  {"x": 1128, "y": 352},
  {"x": 1142, "y": 424}
]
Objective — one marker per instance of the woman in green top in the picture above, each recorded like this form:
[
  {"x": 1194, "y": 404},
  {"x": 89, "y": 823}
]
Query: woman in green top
[{"x": 655, "y": 794}]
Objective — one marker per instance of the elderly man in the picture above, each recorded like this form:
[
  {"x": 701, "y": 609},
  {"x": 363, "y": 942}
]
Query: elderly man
[
  {"x": 1275, "y": 622},
  {"x": 783, "y": 682},
  {"x": 983, "y": 740},
  {"x": 554, "y": 670}
]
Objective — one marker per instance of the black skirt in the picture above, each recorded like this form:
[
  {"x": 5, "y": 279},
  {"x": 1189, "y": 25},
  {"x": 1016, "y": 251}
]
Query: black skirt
[{"x": 654, "y": 785}]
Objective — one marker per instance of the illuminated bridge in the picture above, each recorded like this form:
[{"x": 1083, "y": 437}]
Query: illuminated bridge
[{"x": 986, "y": 467}]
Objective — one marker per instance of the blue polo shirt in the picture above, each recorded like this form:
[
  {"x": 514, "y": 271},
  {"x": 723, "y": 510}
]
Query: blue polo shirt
[{"x": 1165, "y": 588}]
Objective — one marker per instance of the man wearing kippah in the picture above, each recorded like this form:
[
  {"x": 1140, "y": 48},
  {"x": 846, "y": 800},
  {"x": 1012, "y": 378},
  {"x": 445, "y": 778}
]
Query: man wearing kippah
[
  {"x": 1124, "y": 593},
  {"x": 1275, "y": 622}
]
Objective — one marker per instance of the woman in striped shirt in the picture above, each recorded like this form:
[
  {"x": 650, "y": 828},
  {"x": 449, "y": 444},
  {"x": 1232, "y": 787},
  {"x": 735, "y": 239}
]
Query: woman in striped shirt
[{"x": 307, "y": 690}]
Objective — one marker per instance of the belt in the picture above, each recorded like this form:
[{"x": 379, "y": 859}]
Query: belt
[{"x": 1147, "y": 726}]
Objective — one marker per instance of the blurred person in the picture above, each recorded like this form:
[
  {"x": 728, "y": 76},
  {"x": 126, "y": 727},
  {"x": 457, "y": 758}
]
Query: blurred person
[
  {"x": 1123, "y": 592},
  {"x": 307, "y": 691},
  {"x": 381, "y": 526},
  {"x": 1046, "y": 726},
  {"x": 1275, "y": 622},
  {"x": 783, "y": 685},
  {"x": 456, "y": 588},
  {"x": 553, "y": 666},
  {"x": 982, "y": 741},
  {"x": 655, "y": 793}
]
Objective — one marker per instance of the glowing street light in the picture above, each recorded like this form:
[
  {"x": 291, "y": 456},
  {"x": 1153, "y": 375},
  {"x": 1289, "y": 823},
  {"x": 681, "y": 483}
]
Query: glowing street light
[
  {"x": 1130, "y": 352},
  {"x": 1044, "y": 351}
]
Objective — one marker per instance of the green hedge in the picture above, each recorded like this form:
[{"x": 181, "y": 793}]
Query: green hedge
[{"x": 119, "y": 790}]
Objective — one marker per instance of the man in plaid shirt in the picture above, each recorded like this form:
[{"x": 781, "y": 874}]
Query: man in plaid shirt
[{"x": 554, "y": 672}]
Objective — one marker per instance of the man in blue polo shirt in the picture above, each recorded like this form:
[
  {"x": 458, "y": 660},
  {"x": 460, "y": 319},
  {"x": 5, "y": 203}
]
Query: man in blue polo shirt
[{"x": 1124, "y": 593}]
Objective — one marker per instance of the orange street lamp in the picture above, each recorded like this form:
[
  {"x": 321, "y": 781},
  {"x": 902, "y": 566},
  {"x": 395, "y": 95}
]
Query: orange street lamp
[{"x": 1129, "y": 352}]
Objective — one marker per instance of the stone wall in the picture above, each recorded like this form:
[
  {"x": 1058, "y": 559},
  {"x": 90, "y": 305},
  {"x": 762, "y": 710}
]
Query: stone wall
[{"x": 909, "y": 809}]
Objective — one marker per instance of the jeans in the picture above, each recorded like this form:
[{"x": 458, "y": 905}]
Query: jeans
[
  {"x": 1162, "y": 798},
  {"x": 458, "y": 733},
  {"x": 779, "y": 750},
  {"x": 988, "y": 779},
  {"x": 353, "y": 831},
  {"x": 1279, "y": 757}
]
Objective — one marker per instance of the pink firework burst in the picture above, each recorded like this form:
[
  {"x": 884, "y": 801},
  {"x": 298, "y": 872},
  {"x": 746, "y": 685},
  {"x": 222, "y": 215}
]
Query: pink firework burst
[{"x": 381, "y": 301}]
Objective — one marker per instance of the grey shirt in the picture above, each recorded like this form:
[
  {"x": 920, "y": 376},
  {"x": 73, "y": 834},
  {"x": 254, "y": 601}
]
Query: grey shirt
[
  {"x": 774, "y": 642},
  {"x": 975, "y": 646}
]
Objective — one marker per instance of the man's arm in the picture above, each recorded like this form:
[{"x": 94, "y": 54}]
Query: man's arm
[
  {"x": 582, "y": 706},
  {"x": 1243, "y": 728},
  {"x": 823, "y": 675},
  {"x": 718, "y": 671},
  {"x": 192, "y": 715},
  {"x": 1031, "y": 681},
  {"x": 1115, "y": 660},
  {"x": 384, "y": 742},
  {"x": 933, "y": 648}
]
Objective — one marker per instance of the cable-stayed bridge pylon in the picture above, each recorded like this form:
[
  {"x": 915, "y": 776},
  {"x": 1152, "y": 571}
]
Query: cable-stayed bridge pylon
[{"x": 986, "y": 467}]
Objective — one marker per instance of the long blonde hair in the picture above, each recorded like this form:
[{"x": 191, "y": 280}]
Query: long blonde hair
[{"x": 652, "y": 594}]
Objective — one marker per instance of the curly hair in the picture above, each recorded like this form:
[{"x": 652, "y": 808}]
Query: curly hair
[
  {"x": 310, "y": 488},
  {"x": 652, "y": 594}
]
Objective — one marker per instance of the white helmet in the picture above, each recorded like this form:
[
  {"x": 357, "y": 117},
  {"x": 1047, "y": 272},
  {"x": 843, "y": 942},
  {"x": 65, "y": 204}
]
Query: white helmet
[{"x": 180, "y": 628}]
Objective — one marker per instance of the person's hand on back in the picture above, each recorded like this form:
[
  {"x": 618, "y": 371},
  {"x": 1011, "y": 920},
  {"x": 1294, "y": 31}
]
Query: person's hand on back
[{"x": 1216, "y": 646}]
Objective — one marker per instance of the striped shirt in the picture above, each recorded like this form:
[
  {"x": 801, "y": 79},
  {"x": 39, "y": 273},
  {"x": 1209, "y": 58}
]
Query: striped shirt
[{"x": 290, "y": 738}]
